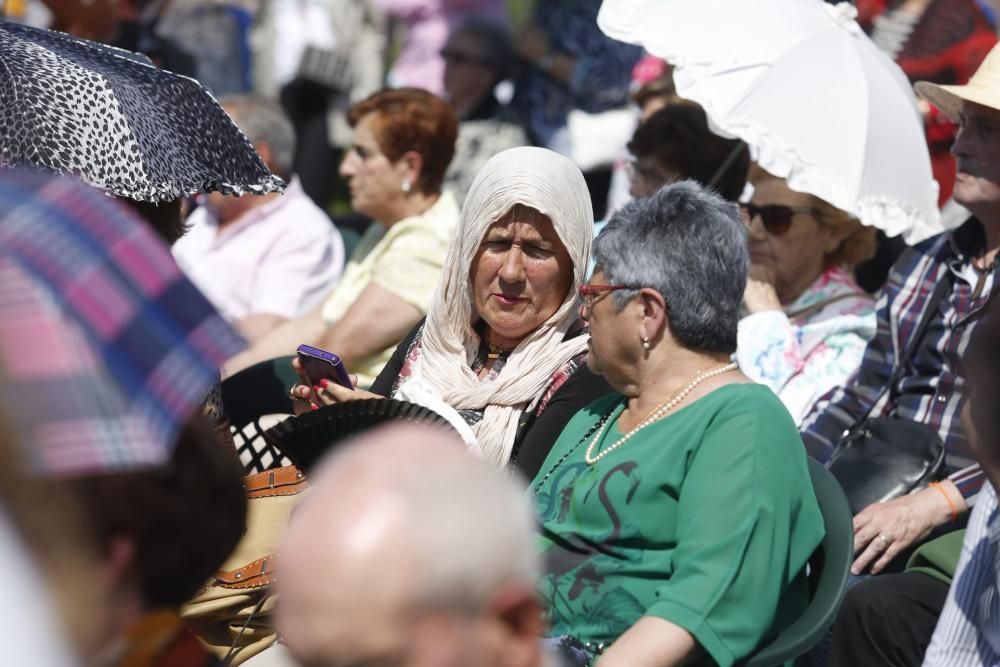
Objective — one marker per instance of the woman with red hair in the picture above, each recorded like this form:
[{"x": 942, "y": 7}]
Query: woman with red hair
[{"x": 403, "y": 142}]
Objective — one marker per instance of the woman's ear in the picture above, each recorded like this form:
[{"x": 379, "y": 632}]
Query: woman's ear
[
  {"x": 654, "y": 312},
  {"x": 412, "y": 164},
  {"x": 835, "y": 236}
]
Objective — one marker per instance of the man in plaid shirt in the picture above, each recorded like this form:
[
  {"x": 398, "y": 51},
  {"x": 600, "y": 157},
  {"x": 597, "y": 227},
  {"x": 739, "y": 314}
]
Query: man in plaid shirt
[
  {"x": 888, "y": 620},
  {"x": 929, "y": 388}
]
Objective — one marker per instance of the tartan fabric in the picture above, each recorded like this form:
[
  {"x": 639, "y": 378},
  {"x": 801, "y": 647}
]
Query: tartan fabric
[
  {"x": 107, "y": 349},
  {"x": 929, "y": 390}
]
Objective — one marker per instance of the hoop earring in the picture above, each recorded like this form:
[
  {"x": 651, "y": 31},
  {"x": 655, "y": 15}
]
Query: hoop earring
[
  {"x": 406, "y": 186},
  {"x": 645, "y": 343}
]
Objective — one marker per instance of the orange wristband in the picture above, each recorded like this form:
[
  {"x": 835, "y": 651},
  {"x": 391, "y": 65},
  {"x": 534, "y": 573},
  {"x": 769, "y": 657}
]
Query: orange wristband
[{"x": 951, "y": 503}]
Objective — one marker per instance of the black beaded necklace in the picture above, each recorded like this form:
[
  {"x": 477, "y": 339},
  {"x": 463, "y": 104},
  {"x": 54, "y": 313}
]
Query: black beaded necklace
[
  {"x": 489, "y": 352},
  {"x": 564, "y": 457}
]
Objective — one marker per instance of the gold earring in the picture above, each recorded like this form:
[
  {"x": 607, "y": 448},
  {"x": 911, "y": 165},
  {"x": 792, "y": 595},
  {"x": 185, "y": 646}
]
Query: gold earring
[{"x": 645, "y": 342}]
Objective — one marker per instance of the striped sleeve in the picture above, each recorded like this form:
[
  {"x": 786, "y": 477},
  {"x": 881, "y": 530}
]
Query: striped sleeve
[
  {"x": 969, "y": 482},
  {"x": 972, "y": 605}
]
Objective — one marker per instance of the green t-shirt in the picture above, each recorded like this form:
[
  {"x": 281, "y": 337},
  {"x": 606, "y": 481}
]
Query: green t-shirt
[{"x": 705, "y": 518}]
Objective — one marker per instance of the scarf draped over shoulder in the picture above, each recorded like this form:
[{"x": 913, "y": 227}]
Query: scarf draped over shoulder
[{"x": 553, "y": 185}]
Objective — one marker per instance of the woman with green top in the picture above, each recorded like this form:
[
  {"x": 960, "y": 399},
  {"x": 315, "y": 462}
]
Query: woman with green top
[{"x": 677, "y": 515}]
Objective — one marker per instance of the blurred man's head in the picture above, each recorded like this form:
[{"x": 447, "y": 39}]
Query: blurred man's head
[
  {"x": 161, "y": 533},
  {"x": 409, "y": 551},
  {"x": 676, "y": 144},
  {"x": 267, "y": 127}
]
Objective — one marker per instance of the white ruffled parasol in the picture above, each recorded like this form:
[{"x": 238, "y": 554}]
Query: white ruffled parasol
[{"x": 798, "y": 80}]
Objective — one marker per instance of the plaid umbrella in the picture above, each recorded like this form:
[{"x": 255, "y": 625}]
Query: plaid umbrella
[
  {"x": 106, "y": 348},
  {"x": 118, "y": 122}
]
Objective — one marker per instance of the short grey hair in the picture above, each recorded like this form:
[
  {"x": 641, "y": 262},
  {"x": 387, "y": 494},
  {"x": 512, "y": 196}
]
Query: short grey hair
[
  {"x": 264, "y": 121},
  {"x": 465, "y": 550},
  {"x": 690, "y": 245}
]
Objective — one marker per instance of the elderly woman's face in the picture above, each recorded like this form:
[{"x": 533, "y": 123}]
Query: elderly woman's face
[
  {"x": 613, "y": 344},
  {"x": 788, "y": 249},
  {"x": 374, "y": 180},
  {"x": 520, "y": 275}
]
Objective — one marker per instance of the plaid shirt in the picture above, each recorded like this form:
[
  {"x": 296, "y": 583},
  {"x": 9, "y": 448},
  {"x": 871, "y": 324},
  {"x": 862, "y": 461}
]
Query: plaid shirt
[
  {"x": 929, "y": 389},
  {"x": 106, "y": 348}
]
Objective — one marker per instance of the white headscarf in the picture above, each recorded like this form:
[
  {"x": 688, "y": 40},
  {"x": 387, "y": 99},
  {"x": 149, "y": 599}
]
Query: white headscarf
[{"x": 554, "y": 186}]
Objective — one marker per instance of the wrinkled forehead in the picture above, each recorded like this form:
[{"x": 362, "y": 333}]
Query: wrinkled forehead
[{"x": 525, "y": 220}]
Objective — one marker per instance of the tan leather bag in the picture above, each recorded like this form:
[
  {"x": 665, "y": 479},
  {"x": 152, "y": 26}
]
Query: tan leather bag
[{"x": 233, "y": 612}]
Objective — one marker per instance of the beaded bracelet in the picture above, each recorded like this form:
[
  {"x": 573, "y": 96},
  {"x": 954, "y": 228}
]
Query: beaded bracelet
[{"x": 951, "y": 503}]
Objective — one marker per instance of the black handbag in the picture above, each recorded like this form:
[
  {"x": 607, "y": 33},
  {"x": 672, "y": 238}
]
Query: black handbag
[{"x": 882, "y": 458}]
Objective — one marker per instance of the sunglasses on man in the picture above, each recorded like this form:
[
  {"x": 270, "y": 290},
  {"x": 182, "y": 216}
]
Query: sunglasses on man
[{"x": 776, "y": 218}]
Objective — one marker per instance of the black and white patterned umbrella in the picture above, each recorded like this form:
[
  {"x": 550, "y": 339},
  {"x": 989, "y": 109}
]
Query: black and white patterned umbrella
[{"x": 116, "y": 121}]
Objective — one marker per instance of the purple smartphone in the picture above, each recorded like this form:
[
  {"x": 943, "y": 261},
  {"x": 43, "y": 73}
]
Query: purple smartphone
[{"x": 322, "y": 365}]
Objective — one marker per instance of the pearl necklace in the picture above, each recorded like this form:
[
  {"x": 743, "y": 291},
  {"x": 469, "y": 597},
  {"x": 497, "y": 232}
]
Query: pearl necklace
[{"x": 657, "y": 413}]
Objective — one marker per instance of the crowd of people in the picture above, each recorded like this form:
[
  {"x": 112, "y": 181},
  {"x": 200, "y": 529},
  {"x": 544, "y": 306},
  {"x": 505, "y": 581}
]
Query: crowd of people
[{"x": 639, "y": 340}]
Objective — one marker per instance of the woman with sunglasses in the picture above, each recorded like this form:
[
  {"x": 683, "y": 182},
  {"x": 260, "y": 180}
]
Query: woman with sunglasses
[
  {"x": 807, "y": 321},
  {"x": 676, "y": 515},
  {"x": 502, "y": 342}
]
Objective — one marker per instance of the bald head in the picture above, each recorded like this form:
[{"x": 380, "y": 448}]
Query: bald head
[{"x": 401, "y": 524}]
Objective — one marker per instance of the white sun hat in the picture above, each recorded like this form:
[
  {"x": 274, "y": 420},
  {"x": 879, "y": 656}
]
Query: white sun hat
[{"x": 983, "y": 88}]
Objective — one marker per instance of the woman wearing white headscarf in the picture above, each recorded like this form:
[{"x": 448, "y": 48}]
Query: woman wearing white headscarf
[{"x": 502, "y": 343}]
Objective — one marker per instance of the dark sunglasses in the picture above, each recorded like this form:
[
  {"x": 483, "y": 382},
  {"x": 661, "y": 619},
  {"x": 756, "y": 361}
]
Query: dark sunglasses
[{"x": 777, "y": 219}]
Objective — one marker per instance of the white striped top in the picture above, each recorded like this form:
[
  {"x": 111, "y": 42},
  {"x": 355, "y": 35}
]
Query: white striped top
[{"x": 968, "y": 632}]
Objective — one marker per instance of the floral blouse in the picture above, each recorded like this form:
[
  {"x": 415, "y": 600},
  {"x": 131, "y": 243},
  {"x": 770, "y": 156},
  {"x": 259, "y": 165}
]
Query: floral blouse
[{"x": 810, "y": 346}]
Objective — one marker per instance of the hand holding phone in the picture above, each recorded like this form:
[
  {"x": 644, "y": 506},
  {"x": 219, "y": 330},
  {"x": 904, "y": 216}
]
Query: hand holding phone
[{"x": 322, "y": 365}]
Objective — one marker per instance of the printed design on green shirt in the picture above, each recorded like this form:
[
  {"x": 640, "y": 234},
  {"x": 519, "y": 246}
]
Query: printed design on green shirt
[{"x": 576, "y": 566}]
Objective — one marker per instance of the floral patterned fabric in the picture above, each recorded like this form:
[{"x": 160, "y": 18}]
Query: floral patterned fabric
[{"x": 812, "y": 345}]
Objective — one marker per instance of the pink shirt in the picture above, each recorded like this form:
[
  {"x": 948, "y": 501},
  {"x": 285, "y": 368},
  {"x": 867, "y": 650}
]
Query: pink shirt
[
  {"x": 281, "y": 258},
  {"x": 427, "y": 24}
]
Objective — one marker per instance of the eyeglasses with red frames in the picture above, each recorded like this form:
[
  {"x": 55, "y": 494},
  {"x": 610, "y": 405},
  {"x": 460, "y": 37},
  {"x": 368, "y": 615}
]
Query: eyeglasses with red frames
[
  {"x": 777, "y": 218},
  {"x": 589, "y": 293}
]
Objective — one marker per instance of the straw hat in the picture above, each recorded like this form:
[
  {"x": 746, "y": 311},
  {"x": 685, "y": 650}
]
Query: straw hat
[{"x": 983, "y": 88}]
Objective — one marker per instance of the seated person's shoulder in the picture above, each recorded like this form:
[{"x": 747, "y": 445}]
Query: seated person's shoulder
[
  {"x": 755, "y": 416},
  {"x": 422, "y": 230},
  {"x": 751, "y": 430}
]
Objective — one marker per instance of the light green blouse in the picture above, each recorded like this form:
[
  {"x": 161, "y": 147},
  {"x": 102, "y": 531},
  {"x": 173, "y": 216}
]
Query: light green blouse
[{"x": 706, "y": 519}]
